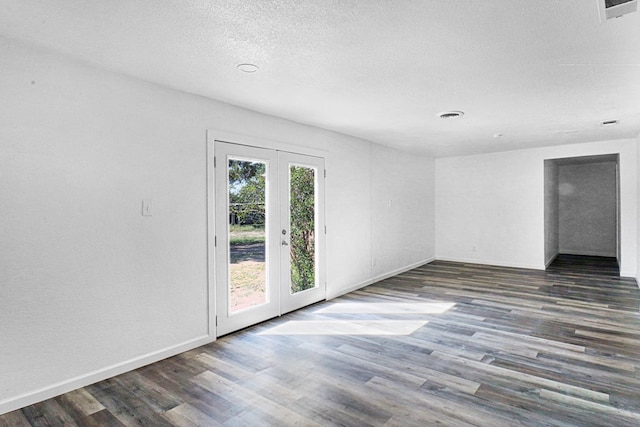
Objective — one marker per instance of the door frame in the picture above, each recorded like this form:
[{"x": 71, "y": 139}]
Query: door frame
[
  {"x": 213, "y": 135},
  {"x": 586, "y": 159}
]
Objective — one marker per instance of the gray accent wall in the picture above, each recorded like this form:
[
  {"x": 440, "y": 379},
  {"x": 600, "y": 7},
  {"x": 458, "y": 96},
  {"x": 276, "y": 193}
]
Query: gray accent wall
[{"x": 587, "y": 209}]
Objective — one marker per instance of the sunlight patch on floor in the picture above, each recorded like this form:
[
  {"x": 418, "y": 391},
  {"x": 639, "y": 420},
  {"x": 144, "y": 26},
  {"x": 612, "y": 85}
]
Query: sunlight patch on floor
[
  {"x": 387, "y": 308},
  {"x": 346, "y": 327}
]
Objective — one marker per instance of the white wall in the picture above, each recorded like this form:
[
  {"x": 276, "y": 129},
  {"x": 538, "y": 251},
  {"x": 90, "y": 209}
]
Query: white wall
[
  {"x": 402, "y": 209},
  {"x": 495, "y": 204},
  {"x": 638, "y": 209},
  {"x": 551, "y": 212},
  {"x": 89, "y": 287},
  {"x": 588, "y": 213}
]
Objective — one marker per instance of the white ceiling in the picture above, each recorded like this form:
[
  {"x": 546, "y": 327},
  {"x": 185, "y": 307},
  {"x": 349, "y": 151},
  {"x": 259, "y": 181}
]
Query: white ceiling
[{"x": 539, "y": 72}]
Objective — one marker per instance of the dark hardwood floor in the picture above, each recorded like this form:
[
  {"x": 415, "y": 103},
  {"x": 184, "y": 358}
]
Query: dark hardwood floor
[
  {"x": 584, "y": 265},
  {"x": 444, "y": 344}
]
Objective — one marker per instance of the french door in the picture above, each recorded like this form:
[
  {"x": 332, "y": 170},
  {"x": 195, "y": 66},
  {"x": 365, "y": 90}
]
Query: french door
[{"x": 270, "y": 235}]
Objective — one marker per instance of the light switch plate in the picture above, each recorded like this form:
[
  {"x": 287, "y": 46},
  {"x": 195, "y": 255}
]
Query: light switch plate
[{"x": 147, "y": 207}]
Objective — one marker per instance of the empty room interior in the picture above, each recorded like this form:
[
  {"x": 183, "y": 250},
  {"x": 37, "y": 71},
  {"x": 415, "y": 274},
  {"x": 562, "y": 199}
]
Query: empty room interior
[{"x": 314, "y": 213}]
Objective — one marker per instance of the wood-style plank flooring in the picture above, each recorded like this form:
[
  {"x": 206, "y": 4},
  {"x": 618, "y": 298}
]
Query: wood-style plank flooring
[{"x": 444, "y": 344}]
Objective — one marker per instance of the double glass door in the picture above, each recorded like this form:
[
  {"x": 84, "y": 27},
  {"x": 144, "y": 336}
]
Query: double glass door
[{"x": 270, "y": 233}]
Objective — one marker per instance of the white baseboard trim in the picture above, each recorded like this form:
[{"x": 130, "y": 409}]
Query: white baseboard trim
[
  {"x": 494, "y": 263},
  {"x": 332, "y": 295},
  {"x": 66, "y": 386}
]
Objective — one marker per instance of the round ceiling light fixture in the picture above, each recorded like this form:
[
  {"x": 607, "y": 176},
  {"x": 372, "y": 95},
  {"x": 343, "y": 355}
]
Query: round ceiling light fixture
[
  {"x": 248, "y": 68},
  {"x": 450, "y": 114}
]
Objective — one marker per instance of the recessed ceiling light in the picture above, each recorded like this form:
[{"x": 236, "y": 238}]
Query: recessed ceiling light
[
  {"x": 248, "y": 68},
  {"x": 450, "y": 114}
]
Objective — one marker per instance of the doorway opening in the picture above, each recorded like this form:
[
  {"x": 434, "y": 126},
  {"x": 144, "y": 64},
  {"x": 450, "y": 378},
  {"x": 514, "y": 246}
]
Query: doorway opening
[
  {"x": 582, "y": 212},
  {"x": 269, "y": 233}
]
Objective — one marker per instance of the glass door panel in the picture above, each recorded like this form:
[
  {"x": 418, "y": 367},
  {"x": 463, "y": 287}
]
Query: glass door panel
[
  {"x": 247, "y": 240},
  {"x": 302, "y": 216}
]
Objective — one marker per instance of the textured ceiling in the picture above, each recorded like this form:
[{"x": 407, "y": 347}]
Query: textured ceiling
[{"x": 540, "y": 72}]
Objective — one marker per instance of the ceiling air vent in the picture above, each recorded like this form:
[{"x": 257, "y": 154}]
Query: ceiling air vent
[{"x": 610, "y": 9}]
